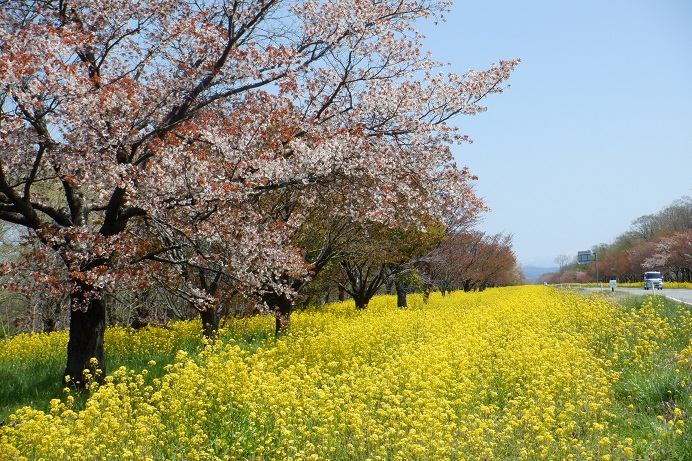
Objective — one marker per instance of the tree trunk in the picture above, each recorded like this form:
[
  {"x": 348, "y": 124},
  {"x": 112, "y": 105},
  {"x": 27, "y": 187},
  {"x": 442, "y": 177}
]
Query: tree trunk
[
  {"x": 342, "y": 294},
  {"x": 468, "y": 284},
  {"x": 210, "y": 323},
  {"x": 48, "y": 324},
  {"x": 400, "y": 295},
  {"x": 361, "y": 303},
  {"x": 87, "y": 329},
  {"x": 140, "y": 319},
  {"x": 284, "y": 307},
  {"x": 363, "y": 281},
  {"x": 389, "y": 285},
  {"x": 426, "y": 293},
  {"x": 281, "y": 306}
]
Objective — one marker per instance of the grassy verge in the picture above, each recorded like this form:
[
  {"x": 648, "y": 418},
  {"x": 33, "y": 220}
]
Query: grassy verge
[{"x": 653, "y": 393}]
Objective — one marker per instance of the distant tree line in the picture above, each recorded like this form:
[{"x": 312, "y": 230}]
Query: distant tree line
[{"x": 661, "y": 241}]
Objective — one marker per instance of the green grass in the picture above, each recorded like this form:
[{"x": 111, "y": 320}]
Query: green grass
[
  {"x": 34, "y": 382},
  {"x": 31, "y": 383},
  {"x": 646, "y": 394}
]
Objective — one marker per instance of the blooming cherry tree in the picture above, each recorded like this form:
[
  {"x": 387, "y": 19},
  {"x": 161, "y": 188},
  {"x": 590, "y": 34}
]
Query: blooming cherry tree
[{"x": 181, "y": 135}]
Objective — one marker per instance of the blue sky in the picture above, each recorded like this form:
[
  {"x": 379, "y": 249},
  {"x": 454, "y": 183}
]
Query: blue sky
[{"x": 596, "y": 129}]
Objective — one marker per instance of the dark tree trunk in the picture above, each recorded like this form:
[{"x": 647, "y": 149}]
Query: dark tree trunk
[
  {"x": 87, "y": 329},
  {"x": 48, "y": 324},
  {"x": 281, "y": 306},
  {"x": 390, "y": 286},
  {"x": 50, "y": 317},
  {"x": 361, "y": 303},
  {"x": 210, "y": 323},
  {"x": 363, "y": 281},
  {"x": 342, "y": 294},
  {"x": 284, "y": 307},
  {"x": 468, "y": 284},
  {"x": 400, "y": 295},
  {"x": 140, "y": 319},
  {"x": 426, "y": 292},
  {"x": 209, "y": 281}
]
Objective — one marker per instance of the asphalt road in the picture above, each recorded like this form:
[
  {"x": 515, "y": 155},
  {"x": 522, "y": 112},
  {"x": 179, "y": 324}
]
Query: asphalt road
[{"x": 682, "y": 295}]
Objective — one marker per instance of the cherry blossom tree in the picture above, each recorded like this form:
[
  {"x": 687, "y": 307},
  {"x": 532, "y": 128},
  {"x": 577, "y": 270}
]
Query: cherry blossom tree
[
  {"x": 672, "y": 254},
  {"x": 157, "y": 137}
]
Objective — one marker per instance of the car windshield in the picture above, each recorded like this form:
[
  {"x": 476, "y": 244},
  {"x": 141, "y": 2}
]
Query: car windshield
[{"x": 652, "y": 275}]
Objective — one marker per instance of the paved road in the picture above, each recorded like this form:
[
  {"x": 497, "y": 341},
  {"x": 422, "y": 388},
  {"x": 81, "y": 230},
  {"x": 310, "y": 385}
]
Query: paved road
[{"x": 683, "y": 295}]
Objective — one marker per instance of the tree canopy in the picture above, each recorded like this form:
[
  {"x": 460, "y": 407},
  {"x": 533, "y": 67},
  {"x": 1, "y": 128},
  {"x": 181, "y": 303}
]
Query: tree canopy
[{"x": 149, "y": 138}]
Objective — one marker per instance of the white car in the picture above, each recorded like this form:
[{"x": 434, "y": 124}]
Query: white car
[{"x": 653, "y": 280}]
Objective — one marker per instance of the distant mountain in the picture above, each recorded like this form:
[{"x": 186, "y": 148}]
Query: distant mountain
[{"x": 533, "y": 273}]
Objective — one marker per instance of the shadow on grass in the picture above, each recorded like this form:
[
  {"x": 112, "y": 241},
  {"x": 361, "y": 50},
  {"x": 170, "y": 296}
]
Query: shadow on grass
[{"x": 31, "y": 386}]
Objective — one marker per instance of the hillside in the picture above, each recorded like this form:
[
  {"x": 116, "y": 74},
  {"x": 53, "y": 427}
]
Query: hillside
[{"x": 533, "y": 273}]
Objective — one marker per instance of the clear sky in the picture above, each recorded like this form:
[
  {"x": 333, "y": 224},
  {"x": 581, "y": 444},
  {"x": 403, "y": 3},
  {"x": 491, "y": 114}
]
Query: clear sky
[{"x": 596, "y": 129}]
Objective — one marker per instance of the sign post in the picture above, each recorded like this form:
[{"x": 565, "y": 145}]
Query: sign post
[{"x": 585, "y": 257}]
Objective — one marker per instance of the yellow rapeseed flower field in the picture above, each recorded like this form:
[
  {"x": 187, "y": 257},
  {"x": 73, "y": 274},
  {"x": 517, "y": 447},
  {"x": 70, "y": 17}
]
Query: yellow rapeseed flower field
[{"x": 524, "y": 373}]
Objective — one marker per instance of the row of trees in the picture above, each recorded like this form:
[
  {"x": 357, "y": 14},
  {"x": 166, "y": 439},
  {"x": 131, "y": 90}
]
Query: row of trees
[
  {"x": 472, "y": 260},
  {"x": 226, "y": 151},
  {"x": 446, "y": 259},
  {"x": 370, "y": 261},
  {"x": 661, "y": 241}
]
